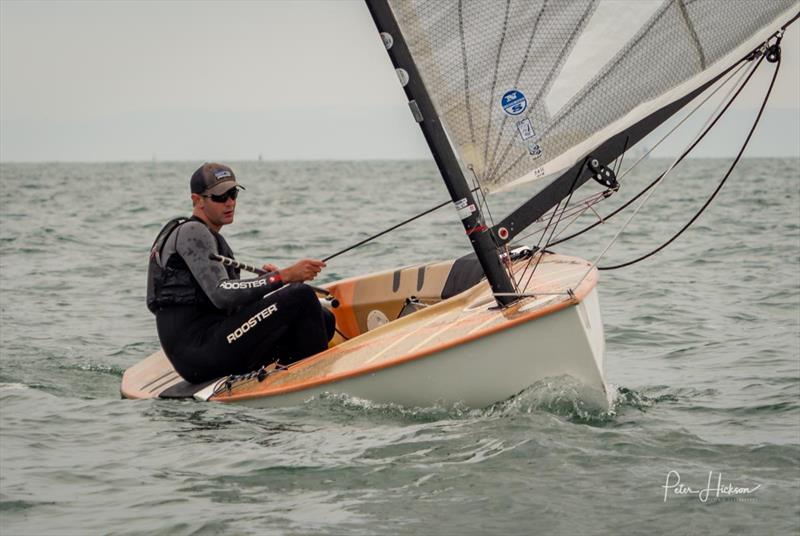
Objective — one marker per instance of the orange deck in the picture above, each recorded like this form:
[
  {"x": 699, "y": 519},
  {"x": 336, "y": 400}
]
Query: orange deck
[{"x": 453, "y": 322}]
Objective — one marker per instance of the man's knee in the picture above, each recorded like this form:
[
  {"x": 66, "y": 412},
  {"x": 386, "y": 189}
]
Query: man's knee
[
  {"x": 330, "y": 323},
  {"x": 303, "y": 294}
]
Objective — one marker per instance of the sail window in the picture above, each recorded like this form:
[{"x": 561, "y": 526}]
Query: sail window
[
  {"x": 582, "y": 71},
  {"x": 612, "y": 26}
]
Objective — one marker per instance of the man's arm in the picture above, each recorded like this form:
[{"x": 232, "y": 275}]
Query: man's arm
[{"x": 194, "y": 242}]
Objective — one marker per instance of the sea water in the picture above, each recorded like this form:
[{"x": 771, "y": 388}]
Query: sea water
[{"x": 703, "y": 347}]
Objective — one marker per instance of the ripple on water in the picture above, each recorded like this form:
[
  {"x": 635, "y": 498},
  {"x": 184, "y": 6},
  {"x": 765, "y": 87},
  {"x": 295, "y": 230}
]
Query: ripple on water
[{"x": 702, "y": 347}]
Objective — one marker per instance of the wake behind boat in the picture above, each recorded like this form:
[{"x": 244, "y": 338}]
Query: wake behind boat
[{"x": 507, "y": 93}]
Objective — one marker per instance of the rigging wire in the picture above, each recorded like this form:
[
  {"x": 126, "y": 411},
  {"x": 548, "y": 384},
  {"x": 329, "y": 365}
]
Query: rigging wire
[
  {"x": 544, "y": 232},
  {"x": 672, "y": 166},
  {"x": 733, "y": 87},
  {"x": 602, "y": 195},
  {"x": 538, "y": 245},
  {"x": 579, "y": 207},
  {"x": 484, "y": 203},
  {"x": 719, "y": 186},
  {"x": 555, "y": 226},
  {"x": 588, "y": 202},
  {"x": 718, "y": 87},
  {"x": 622, "y": 156},
  {"x": 580, "y": 210},
  {"x": 660, "y": 141},
  {"x": 761, "y": 51}
]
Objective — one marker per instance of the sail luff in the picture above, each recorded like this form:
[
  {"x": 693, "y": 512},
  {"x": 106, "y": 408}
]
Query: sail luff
[
  {"x": 576, "y": 100},
  {"x": 522, "y": 64},
  {"x": 494, "y": 167},
  {"x": 526, "y": 88},
  {"x": 424, "y": 111},
  {"x": 494, "y": 76},
  {"x": 466, "y": 69}
]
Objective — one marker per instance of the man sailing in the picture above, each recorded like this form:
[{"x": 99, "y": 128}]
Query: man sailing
[{"x": 210, "y": 322}]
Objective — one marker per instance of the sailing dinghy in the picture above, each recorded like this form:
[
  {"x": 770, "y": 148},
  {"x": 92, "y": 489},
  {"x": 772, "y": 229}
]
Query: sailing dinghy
[
  {"x": 507, "y": 93},
  {"x": 460, "y": 349}
]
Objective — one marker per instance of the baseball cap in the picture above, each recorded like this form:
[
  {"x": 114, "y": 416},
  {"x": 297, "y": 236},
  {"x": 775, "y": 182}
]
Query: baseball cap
[{"x": 213, "y": 179}]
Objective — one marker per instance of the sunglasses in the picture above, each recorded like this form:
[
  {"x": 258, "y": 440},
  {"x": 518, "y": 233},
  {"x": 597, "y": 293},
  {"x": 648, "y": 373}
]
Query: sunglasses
[{"x": 233, "y": 193}]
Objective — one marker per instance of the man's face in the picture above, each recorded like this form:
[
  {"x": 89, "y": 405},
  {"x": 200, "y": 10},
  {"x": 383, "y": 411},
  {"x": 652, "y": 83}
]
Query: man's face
[{"x": 218, "y": 213}]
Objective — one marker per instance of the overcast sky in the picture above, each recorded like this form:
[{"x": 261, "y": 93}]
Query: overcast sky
[{"x": 106, "y": 81}]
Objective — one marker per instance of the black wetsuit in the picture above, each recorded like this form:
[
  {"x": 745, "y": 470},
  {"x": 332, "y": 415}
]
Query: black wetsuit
[{"x": 211, "y": 323}]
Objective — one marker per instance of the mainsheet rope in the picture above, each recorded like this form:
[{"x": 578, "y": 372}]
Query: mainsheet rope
[
  {"x": 603, "y": 219},
  {"x": 587, "y": 205},
  {"x": 587, "y": 202},
  {"x": 661, "y": 178},
  {"x": 392, "y": 228},
  {"x": 721, "y": 183},
  {"x": 657, "y": 179}
]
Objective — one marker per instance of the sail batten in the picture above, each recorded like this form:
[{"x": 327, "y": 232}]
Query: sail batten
[
  {"x": 568, "y": 44},
  {"x": 577, "y": 152},
  {"x": 690, "y": 27},
  {"x": 502, "y": 75},
  {"x": 494, "y": 76}
]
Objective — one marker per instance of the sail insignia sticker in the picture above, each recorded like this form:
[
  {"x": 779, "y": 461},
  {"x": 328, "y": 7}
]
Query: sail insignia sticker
[
  {"x": 464, "y": 208},
  {"x": 514, "y": 102},
  {"x": 535, "y": 150},
  {"x": 525, "y": 129},
  {"x": 466, "y": 212}
]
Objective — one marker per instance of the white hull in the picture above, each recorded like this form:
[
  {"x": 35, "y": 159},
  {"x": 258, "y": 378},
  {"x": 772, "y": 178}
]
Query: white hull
[
  {"x": 462, "y": 349},
  {"x": 486, "y": 370}
]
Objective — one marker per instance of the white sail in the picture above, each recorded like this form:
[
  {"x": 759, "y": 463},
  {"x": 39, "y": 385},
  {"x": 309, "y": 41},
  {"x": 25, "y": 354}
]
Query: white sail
[{"x": 526, "y": 88}]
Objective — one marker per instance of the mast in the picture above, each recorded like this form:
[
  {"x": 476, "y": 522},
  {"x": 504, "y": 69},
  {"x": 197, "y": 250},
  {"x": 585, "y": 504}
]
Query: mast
[{"x": 424, "y": 112}]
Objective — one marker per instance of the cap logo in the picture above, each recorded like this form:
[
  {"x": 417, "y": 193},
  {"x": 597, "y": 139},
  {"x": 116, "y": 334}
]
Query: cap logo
[{"x": 222, "y": 173}]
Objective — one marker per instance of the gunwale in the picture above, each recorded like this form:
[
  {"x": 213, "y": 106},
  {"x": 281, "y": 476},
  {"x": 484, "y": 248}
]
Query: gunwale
[{"x": 475, "y": 305}]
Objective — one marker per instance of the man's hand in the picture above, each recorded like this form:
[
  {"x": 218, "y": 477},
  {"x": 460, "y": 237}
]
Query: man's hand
[
  {"x": 303, "y": 270},
  {"x": 269, "y": 268}
]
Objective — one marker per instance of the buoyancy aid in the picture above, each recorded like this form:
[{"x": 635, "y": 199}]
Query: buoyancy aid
[{"x": 173, "y": 283}]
